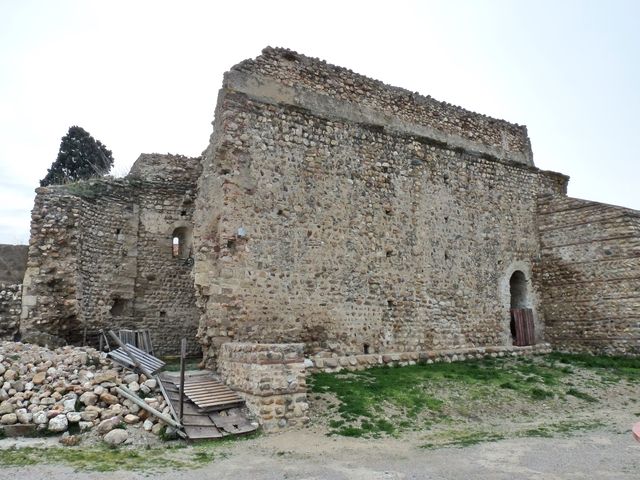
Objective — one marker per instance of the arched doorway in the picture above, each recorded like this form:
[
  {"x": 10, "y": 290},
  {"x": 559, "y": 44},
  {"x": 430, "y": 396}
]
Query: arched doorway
[
  {"x": 518, "y": 290},
  {"x": 518, "y": 293},
  {"x": 521, "y": 325}
]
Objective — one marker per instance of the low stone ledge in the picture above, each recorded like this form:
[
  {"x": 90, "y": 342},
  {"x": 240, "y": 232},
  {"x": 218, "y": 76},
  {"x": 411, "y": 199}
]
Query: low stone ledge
[{"x": 323, "y": 363}]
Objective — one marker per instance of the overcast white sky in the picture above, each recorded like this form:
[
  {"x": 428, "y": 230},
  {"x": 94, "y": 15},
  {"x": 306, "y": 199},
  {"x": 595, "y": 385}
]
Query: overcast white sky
[{"x": 143, "y": 76}]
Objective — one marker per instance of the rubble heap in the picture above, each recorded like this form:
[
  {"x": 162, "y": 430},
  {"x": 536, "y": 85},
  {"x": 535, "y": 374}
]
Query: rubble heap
[{"x": 72, "y": 389}]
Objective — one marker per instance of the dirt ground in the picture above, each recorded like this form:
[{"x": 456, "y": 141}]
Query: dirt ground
[
  {"x": 606, "y": 453},
  {"x": 575, "y": 439}
]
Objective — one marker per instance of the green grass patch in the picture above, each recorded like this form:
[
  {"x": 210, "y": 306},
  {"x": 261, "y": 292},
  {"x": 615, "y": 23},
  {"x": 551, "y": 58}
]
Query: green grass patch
[
  {"x": 540, "y": 394},
  {"x": 99, "y": 459},
  {"x": 464, "y": 439},
  {"x": 574, "y": 392},
  {"x": 103, "y": 458},
  {"x": 410, "y": 392},
  {"x": 610, "y": 368}
]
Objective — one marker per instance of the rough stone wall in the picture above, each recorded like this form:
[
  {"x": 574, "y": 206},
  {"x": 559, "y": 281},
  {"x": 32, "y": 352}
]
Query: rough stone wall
[
  {"x": 303, "y": 81},
  {"x": 13, "y": 262},
  {"x": 10, "y": 308},
  {"x": 50, "y": 289},
  {"x": 590, "y": 275},
  {"x": 329, "y": 229},
  {"x": 334, "y": 363},
  {"x": 271, "y": 379},
  {"x": 101, "y": 256}
]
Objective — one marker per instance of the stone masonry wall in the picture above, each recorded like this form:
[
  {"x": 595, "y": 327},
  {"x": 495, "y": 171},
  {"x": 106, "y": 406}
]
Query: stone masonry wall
[
  {"x": 350, "y": 237},
  {"x": 590, "y": 275},
  {"x": 334, "y": 363},
  {"x": 304, "y": 81},
  {"x": 13, "y": 262},
  {"x": 10, "y": 308},
  {"x": 271, "y": 379},
  {"x": 101, "y": 256},
  {"x": 50, "y": 291}
]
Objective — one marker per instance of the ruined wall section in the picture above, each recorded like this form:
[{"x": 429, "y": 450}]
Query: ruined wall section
[
  {"x": 10, "y": 309},
  {"x": 309, "y": 81},
  {"x": 13, "y": 262},
  {"x": 351, "y": 237},
  {"x": 590, "y": 275},
  {"x": 165, "y": 297},
  {"x": 122, "y": 273},
  {"x": 51, "y": 283}
]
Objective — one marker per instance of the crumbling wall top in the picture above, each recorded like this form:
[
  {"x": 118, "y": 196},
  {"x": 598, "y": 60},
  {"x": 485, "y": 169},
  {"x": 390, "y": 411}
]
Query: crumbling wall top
[
  {"x": 393, "y": 106},
  {"x": 156, "y": 167}
]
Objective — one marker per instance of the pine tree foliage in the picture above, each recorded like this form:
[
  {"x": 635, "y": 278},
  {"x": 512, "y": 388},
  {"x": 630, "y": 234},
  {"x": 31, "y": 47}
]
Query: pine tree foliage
[{"x": 80, "y": 157}]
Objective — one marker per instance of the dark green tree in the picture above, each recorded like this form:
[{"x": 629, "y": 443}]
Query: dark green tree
[{"x": 80, "y": 157}]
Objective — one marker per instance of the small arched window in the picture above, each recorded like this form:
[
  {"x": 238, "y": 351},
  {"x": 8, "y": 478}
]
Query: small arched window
[{"x": 181, "y": 242}]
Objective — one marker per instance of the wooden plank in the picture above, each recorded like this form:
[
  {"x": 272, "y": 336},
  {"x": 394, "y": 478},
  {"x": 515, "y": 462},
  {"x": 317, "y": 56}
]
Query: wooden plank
[
  {"x": 201, "y": 433},
  {"x": 125, "y": 392},
  {"x": 166, "y": 397},
  {"x": 197, "y": 420},
  {"x": 207, "y": 388},
  {"x": 199, "y": 393},
  {"x": 205, "y": 406},
  {"x": 205, "y": 396}
]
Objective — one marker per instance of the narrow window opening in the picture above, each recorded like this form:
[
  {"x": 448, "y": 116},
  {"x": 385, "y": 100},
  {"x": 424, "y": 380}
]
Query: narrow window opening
[
  {"x": 118, "y": 230},
  {"x": 176, "y": 246},
  {"x": 365, "y": 348},
  {"x": 183, "y": 213},
  {"x": 163, "y": 313},
  {"x": 181, "y": 242}
]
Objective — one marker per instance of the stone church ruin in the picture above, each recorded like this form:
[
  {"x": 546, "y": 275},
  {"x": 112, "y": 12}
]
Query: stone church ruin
[{"x": 360, "y": 222}]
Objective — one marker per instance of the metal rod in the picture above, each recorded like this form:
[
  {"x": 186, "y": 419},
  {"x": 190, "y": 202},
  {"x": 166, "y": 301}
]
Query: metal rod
[{"x": 183, "y": 354}]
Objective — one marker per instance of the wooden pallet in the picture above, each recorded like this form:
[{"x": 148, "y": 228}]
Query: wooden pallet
[
  {"x": 198, "y": 425},
  {"x": 149, "y": 362},
  {"x": 211, "y": 395}
]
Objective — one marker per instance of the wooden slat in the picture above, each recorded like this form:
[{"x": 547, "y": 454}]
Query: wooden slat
[
  {"x": 147, "y": 361},
  {"x": 524, "y": 326},
  {"x": 198, "y": 420},
  {"x": 200, "y": 433}
]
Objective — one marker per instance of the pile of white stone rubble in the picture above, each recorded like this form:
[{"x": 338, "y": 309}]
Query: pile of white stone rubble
[{"x": 72, "y": 390}]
